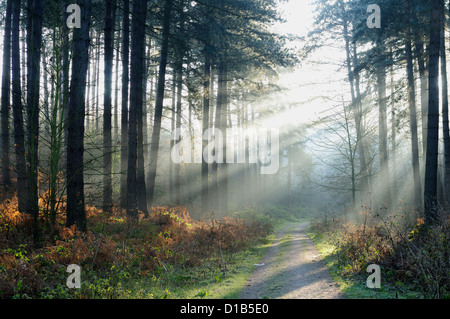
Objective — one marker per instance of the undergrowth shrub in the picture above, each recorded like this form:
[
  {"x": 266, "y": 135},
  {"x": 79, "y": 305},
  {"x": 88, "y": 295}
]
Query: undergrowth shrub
[
  {"x": 416, "y": 253},
  {"x": 114, "y": 251}
]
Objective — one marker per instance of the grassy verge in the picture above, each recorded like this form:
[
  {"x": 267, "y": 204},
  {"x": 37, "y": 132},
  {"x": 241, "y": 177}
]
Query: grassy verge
[
  {"x": 189, "y": 283},
  {"x": 412, "y": 259},
  {"x": 355, "y": 286}
]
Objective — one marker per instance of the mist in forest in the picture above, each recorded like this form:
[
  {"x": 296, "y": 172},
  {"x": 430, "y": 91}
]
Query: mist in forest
[{"x": 141, "y": 101}]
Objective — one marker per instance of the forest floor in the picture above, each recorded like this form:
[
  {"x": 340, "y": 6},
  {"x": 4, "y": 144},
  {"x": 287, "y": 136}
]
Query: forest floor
[{"x": 292, "y": 268}]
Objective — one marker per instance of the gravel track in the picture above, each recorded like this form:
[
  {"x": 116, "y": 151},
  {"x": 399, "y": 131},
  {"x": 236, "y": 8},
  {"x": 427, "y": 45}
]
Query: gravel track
[{"x": 293, "y": 269}]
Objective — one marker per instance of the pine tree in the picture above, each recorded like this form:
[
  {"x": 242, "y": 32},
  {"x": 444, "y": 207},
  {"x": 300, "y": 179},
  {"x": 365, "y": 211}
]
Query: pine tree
[
  {"x": 431, "y": 166},
  {"x": 154, "y": 150},
  {"x": 76, "y": 214},
  {"x": 19, "y": 133},
  {"x": 125, "y": 95},
  {"x": 137, "y": 68},
  {"x": 5, "y": 98},
  {"x": 107, "y": 105}
]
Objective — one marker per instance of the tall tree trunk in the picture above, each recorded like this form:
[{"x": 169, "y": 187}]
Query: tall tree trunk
[
  {"x": 382, "y": 130},
  {"x": 393, "y": 138},
  {"x": 211, "y": 95},
  {"x": 420, "y": 55},
  {"x": 34, "y": 41},
  {"x": 172, "y": 140},
  {"x": 47, "y": 96},
  {"x": 137, "y": 54},
  {"x": 413, "y": 117},
  {"x": 215, "y": 189},
  {"x": 445, "y": 120},
  {"x": 140, "y": 178},
  {"x": 179, "y": 56},
  {"x": 159, "y": 101},
  {"x": 177, "y": 168},
  {"x": 223, "y": 125},
  {"x": 64, "y": 102},
  {"x": 107, "y": 106},
  {"x": 205, "y": 126},
  {"x": 431, "y": 166},
  {"x": 116, "y": 91},
  {"x": 145, "y": 104},
  {"x": 19, "y": 134},
  {"x": 142, "y": 136},
  {"x": 88, "y": 95},
  {"x": 24, "y": 58},
  {"x": 95, "y": 83},
  {"x": 124, "y": 118},
  {"x": 76, "y": 214},
  {"x": 55, "y": 130},
  {"x": 356, "y": 105},
  {"x": 246, "y": 173},
  {"x": 6, "y": 98},
  {"x": 92, "y": 80},
  {"x": 97, "y": 87}
]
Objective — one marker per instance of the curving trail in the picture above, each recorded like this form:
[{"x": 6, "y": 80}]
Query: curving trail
[{"x": 293, "y": 269}]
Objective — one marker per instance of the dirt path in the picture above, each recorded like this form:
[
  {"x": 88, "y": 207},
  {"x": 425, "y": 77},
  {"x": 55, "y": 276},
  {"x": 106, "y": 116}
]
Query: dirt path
[{"x": 292, "y": 269}]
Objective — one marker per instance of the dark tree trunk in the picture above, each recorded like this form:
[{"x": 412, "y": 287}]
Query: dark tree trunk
[
  {"x": 159, "y": 101},
  {"x": 6, "y": 98},
  {"x": 64, "y": 103},
  {"x": 24, "y": 59},
  {"x": 356, "y": 107},
  {"x": 361, "y": 132},
  {"x": 116, "y": 91},
  {"x": 413, "y": 118},
  {"x": 215, "y": 191},
  {"x": 145, "y": 105},
  {"x": 431, "y": 166},
  {"x": 124, "y": 119},
  {"x": 88, "y": 95},
  {"x": 97, "y": 86},
  {"x": 205, "y": 126},
  {"x": 19, "y": 134},
  {"x": 92, "y": 86},
  {"x": 223, "y": 68},
  {"x": 172, "y": 140},
  {"x": 76, "y": 214},
  {"x": 47, "y": 95},
  {"x": 177, "y": 168},
  {"x": 34, "y": 41},
  {"x": 135, "y": 113},
  {"x": 179, "y": 57},
  {"x": 445, "y": 120},
  {"x": 393, "y": 138},
  {"x": 382, "y": 130},
  {"x": 107, "y": 106},
  {"x": 142, "y": 127},
  {"x": 140, "y": 178}
]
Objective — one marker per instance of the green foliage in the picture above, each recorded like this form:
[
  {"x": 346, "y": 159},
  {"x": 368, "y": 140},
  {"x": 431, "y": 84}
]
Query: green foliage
[{"x": 20, "y": 253}]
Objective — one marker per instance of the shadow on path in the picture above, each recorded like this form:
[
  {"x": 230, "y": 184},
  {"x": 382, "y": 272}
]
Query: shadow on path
[{"x": 296, "y": 272}]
